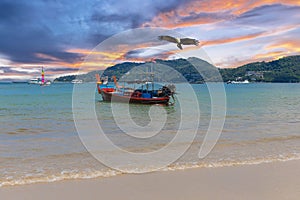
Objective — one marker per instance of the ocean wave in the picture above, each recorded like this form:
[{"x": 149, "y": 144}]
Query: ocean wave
[
  {"x": 64, "y": 175},
  {"x": 89, "y": 173},
  {"x": 230, "y": 163}
]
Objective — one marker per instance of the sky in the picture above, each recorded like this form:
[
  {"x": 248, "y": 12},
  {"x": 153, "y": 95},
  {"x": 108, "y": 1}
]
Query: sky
[{"x": 60, "y": 34}]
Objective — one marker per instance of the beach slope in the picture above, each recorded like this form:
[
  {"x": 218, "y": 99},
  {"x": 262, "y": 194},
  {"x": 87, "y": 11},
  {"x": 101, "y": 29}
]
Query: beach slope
[{"x": 278, "y": 180}]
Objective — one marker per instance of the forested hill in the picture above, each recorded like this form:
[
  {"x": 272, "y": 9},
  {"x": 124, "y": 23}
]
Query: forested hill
[
  {"x": 283, "y": 70},
  {"x": 286, "y": 69}
]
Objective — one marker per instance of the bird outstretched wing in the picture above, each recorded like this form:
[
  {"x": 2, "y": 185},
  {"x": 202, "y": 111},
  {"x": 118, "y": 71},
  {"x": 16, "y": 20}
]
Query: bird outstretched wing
[
  {"x": 168, "y": 38},
  {"x": 179, "y": 42},
  {"x": 188, "y": 41}
]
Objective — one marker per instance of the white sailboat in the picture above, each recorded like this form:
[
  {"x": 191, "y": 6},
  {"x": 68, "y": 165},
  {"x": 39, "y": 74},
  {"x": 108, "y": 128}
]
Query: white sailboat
[{"x": 40, "y": 81}]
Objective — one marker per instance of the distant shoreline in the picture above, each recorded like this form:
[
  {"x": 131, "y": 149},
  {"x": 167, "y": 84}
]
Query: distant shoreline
[
  {"x": 65, "y": 82},
  {"x": 284, "y": 70}
]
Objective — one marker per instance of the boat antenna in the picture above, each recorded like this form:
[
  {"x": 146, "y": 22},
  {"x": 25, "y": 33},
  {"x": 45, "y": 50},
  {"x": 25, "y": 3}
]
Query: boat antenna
[
  {"x": 152, "y": 73},
  {"x": 115, "y": 81}
]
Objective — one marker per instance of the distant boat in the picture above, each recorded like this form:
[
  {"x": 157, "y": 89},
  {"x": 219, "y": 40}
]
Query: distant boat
[
  {"x": 43, "y": 82},
  {"x": 46, "y": 83},
  {"x": 40, "y": 81},
  {"x": 36, "y": 81},
  {"x": 76, "y": 81},
  {"x": 238, "y": 82}
]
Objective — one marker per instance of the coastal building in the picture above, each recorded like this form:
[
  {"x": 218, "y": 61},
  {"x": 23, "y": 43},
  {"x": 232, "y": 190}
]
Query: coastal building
[{"x": 255, "y": 74}]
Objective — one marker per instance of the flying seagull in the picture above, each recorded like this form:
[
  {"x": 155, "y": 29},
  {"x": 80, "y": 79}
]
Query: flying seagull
[{"x": 179, "y": 41}]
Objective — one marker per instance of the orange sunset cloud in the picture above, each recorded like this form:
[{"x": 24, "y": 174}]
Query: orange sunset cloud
[{"x": 190, "y": 14}]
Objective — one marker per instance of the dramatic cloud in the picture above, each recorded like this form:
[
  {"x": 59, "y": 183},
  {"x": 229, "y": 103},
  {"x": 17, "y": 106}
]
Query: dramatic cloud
[
  {"x": 44, "y": 31},
  {"x": 208, "y": 11},
  {"x": 243, "y": 34},
  {"x": 60, "y": 34},
  {"x": 267, "y": 16}
]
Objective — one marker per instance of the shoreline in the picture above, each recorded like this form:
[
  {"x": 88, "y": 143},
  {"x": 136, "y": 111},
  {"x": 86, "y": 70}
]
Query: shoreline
[
  {"x": 69, "y": 176},
  {"x": 276, "y": 180}
]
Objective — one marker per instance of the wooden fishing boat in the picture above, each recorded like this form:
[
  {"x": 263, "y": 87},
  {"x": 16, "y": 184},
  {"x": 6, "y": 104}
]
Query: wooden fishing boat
[{"x": 141, "y": 95}]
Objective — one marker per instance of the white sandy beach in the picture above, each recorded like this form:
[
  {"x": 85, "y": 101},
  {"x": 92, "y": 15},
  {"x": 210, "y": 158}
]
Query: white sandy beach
[{"x": 279, "y": 180}]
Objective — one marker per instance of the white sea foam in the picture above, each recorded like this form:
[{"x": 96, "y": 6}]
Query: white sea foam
[
  {"x": 64, "y": 175},
  {"x": 89, "y": 174}
]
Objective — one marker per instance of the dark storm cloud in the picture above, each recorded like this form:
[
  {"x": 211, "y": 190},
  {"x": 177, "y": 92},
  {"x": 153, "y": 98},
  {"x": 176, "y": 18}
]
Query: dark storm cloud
[
  {"x": 7, "y": 11},
  {"x": 24, "y": 33},
  {"x": 111, "y": 17},
  {"x": 29, "y": 28}
]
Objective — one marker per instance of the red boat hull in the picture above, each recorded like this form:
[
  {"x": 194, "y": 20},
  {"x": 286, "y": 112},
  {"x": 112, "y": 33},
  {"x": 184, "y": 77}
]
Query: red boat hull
[{"x": 111, "y": 96}]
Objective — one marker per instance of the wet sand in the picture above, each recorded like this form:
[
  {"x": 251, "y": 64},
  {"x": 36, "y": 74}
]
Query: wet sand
[{"x": 278, "y": 180}]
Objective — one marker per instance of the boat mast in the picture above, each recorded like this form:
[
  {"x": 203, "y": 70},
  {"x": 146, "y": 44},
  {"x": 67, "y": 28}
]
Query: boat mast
[
  {"x": 152, "y": 73},
  {"x": 43, "y": 76}
]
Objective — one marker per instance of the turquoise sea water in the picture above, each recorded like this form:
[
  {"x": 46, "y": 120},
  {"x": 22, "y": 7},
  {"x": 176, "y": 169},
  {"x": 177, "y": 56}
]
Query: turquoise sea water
[{"x": 39, "y": 141}]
